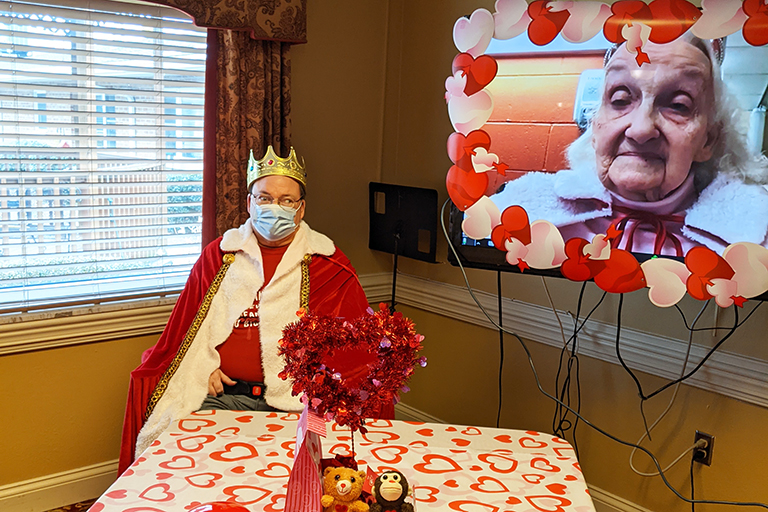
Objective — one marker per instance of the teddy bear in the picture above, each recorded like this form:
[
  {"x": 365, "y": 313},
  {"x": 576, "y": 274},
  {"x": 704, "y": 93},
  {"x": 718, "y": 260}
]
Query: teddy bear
[{"x": 341, "y": 489}]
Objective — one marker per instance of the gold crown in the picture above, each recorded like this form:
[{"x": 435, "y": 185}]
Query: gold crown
[{"x": 273, "y": 165}]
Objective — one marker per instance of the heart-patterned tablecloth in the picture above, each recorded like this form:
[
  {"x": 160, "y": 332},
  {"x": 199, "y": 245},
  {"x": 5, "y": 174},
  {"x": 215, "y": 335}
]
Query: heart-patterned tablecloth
[{"x": 246, "y": 457}]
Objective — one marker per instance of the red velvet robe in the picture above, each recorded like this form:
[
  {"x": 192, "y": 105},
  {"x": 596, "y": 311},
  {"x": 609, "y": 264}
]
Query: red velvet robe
[{"x": 334, "y": 290}]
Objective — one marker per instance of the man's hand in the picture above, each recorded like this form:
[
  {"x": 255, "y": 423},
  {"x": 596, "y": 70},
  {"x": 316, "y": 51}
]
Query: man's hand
[{"x": 216, "y": 382}]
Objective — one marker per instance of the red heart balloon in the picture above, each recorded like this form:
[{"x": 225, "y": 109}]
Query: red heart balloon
[
  {"x": 514, "y": 224},
  {"x": 465, "y": 188},
  {"x": 705, "y": 265},
  {"x": 621, "y": 273},
  {"x": 625, "y": 12},
  {"x": 545, "y": 24},
  {"x": 579, "y": 267},
  {"x": 755, "y": 29},
  {"x": 671, "y": 19},
  {"x": 461, "y": 148},
  {"x": 479, "y": 71}
]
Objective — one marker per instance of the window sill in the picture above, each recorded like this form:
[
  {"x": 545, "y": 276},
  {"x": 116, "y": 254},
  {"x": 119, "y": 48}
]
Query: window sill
[{"x": 55, "y": 329}]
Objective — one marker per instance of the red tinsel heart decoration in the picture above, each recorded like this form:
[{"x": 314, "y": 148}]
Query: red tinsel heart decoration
[{"x": 348, "y": 370}]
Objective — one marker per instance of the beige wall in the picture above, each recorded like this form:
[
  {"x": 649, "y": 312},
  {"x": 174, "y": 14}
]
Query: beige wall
[{"x": 368, "y": 106}]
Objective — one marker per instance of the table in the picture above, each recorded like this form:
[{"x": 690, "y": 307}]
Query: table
[{"x": 246, "y": 457}]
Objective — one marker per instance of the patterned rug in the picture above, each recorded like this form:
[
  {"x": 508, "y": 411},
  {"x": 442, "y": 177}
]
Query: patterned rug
[{"x": 75, "y": 507}]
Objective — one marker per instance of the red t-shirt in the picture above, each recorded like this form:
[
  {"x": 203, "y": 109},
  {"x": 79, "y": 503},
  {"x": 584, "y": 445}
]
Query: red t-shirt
[{"x": 241, "y": 353}]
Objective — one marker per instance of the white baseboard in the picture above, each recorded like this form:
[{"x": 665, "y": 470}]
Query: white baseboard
[
  {"x": 407, "y": 413},
  {"x": 57, "y": 490},
  {"x": 607, "y": 502}
]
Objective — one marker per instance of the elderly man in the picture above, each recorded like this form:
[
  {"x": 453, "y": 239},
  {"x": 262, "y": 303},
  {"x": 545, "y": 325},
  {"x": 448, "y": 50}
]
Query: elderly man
[
  {"x": 662, "y": 160},
  {"x": 219, "y": 349}
]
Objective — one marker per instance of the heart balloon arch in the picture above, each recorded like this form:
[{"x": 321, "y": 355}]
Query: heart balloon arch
[{"x": 742, "y": 270}]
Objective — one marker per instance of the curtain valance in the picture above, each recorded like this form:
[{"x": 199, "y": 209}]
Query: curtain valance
[{"x": 269, "y": 20}]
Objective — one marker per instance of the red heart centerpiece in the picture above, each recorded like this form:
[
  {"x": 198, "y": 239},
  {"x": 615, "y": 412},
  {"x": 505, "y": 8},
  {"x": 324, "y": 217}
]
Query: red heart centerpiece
[{"x": 349, "y": 370}]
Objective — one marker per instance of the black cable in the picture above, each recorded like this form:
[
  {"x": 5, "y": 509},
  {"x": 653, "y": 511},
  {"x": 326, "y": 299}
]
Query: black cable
[
  {"x": 560, "y": 421},
  {"x": 501, "y": 348},
  {"x": 693, "y": 498},
  {"x": 624, "y": 365},
  {"x": 706, "y": 357},
  {"x": 546, "y": 394},
  {"x": 685, "y": 321}
]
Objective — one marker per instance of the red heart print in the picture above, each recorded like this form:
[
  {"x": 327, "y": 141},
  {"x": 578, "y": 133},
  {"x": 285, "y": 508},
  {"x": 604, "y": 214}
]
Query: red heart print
[
  {"x": 228, "y": 432},
  {"x": 482, "y": 485},
  {"x": 479, "y": 71},
  {"x": 548, "y": 503},
  {"x": 272, "y": 415},
  {"x": 266, "y": 438},
  {"x": 158, "y": 452},
  {"x": 272, "y": 506},
  {"x": 543, "y": 464},
  {"x": 194, "y": 424},
  {"x": 436, "y": 464},
  {"x": 239, "y": 470},
  {"x": 471, "y": 431},
  {"x": 453, "y": 484},
  {"x": 163, "y": 476},
  {"x": 513, "y": 501},
  {"x": 235, "y": 451},
  {"x": 382, "y": 423},
  {"x": 499, "y": 463},
  {"x": 96, "y": 507},
  {"x": 289, "y": 446},
  {"x": 158, "y": 493},
  {"x": 284, "y": 471},
  {"x": 389, "y": 454},
  {"x": 378, "y": 437},
  {"x": 274, "y": 428},
  {"x": 117, "y": 495},
  {"x": 528, "y": 442},
  {"x": 533, "y": 479},
  {"x": 755, "y": 29},
  {"x": 475, "y": 468},
  {"x": 244, "y": 419},
  {"x": 557, "y": 489},
  {"x": 156, "y": 442},
  {"x": 545, "y": 24},
  {"x": 504, "y": 438},
  {"x": 570, "y": 478},
  {"x": 179, "y": 462},
  {"x": 461, "y": 442},
  {"x": 194, "y": 443},
  {"x": 425, "y": 432},
  {"x": 459, "y": 505},
  {"x": 203, "y": 480},
  {"x": 450, "y": 429},
  {"x": 246, "y": 494},
  {"x": 431, "y": 496}
]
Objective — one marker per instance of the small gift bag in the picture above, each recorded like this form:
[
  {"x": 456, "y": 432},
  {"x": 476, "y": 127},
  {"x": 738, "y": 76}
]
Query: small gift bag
[{"x": 305, "y": 486}]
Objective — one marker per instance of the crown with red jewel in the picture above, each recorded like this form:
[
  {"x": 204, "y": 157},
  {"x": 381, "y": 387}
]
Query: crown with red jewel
[{"x": 273, "y": 165}]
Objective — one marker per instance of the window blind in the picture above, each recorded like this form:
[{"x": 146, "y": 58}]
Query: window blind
[{"x": 101, "y": 130}]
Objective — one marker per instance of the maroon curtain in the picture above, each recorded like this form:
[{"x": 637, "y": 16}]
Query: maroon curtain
[{"x": 247, "y": 95}]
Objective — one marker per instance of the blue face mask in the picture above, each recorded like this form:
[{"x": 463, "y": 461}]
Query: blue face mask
[{"x": 273, "y": 222}]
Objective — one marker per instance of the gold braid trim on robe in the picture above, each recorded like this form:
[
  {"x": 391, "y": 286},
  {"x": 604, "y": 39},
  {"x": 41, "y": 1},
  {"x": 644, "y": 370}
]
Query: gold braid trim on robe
[{"x": 228, "y": 259}]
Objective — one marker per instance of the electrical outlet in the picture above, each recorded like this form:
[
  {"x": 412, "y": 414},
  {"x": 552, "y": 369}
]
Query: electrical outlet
[{"x": 704, "y": 455}]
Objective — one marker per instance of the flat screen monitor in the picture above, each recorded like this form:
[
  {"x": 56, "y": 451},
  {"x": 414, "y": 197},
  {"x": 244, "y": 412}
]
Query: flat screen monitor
[{"x": 629, "y": 136}]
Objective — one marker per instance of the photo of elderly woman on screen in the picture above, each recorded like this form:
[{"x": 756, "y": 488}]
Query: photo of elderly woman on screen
[{"x": 662, "y": 159}]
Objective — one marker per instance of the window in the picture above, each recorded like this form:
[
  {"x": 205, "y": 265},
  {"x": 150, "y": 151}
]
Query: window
[{"x": 101, "y": 130}]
